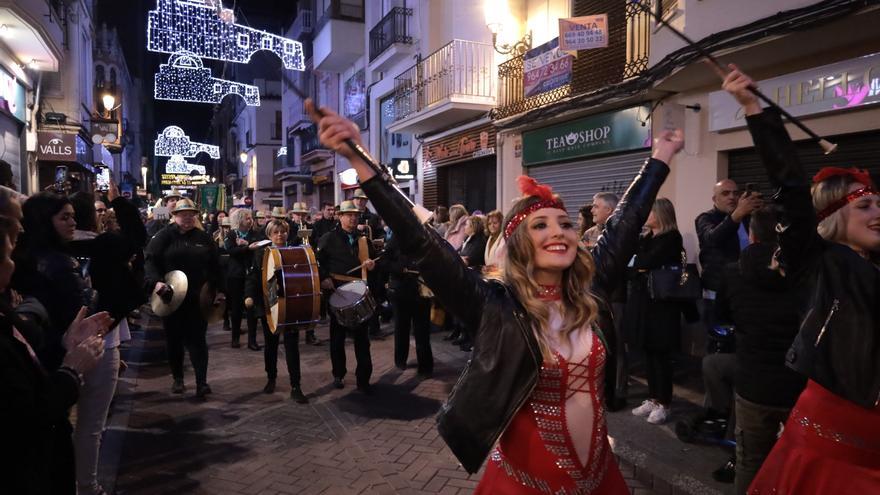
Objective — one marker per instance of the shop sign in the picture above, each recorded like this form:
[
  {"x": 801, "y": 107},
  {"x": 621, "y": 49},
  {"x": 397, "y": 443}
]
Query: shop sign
[
  {"x": 182, "y": 180},
  {"x": 106, "y": 132},
  {"x": 604, "y": 133},
  {"x": 583, "y": 33},
  {"x": 839, "y": 86},
  {"x": 61, "y": 147},
  {"x": 546, "y": 68},
  {"x": 12, "y": 95},
  {"x": 403, "y": 168},
  {"x": 473, "y": 143}
]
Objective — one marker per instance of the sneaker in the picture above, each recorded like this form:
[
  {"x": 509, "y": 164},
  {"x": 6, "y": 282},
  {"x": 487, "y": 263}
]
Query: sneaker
[
  {"x": 337, "y": 383},
  {"x": 297, "y": 396},
  {"x": 645, "y": 409},
  {"x": 203, "y": 390},
  {"x": 178, "y": 387},
  {"x": 270, "y": 386},
  {"x": 659, "y": 415}
]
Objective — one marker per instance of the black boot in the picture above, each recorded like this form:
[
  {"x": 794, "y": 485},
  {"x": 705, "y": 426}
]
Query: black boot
[
  {"x": 297, "y": 396},
  {"x": 726, "y": 473},
  {"x": 178, "y": 387},
  {"x": 270, "y": 386},
  {"x": 203, "y": 390}
]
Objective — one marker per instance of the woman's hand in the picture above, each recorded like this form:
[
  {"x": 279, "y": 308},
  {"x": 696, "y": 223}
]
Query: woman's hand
[
  {"x": 83, "y": 328},
  {"x": 85, "y": 355},
  {"x": 249, "y": 302},
  {"x": 334, "y": 130},
  {"x": 737, "y": 83},
  {"x": 667, "y": 145}
]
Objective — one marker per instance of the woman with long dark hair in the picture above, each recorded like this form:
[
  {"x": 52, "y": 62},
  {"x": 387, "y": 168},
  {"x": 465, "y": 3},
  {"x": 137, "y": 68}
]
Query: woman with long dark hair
[
  {"x": 830, "y": 243},
  {"x": 532, "y": 394}
]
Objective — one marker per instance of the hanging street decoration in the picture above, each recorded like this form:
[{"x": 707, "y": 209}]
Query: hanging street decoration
[
  {"x": 177, "y": 164},
  {"x": 173, "y": 142},
  {"x": 282, "y": 151},
  {"x": 197, "y": 27},
  {"x": 185, "y": 78}
]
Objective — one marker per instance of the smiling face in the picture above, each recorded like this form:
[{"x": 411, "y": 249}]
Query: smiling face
[
  {"x": 64, "y": 223},
  {"x": 554, "y": 242},
  {"x": 348, "y": 221},
  {"x": 863, "y": 222}
]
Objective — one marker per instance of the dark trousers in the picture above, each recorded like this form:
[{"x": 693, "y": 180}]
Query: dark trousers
[
  {"x": 756, "y": 429},
  {"x": 412, "y": 313},
  {"x": 235, "y": 298},
  {"x": 621, "y": 364},
  {"x": 361, "y": 351},
  {"x": 291, "y": 353},
  {"x": 186, "y": 328},
  {"x": 659, "y": 366}
]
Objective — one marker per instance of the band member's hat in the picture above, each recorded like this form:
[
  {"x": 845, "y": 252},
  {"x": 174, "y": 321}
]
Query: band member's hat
[
  {"x": 278, "y": 212},
  {"x": 359, "y": 194},
  {"x": 173, "y": 194},
  {"x": 224, "y": 222},
  {"x": 185, "y": 204},
  {"x": 300, "y": 208},
  {"x": 261, "y": 214},
  {"x": 348, "y": 207}
]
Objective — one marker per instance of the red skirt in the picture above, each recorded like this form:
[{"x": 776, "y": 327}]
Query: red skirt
[{"x": 829, "y": 445}]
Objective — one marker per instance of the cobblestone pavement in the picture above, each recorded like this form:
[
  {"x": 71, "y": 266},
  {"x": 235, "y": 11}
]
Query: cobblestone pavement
[{"x": 241, "y": 441}]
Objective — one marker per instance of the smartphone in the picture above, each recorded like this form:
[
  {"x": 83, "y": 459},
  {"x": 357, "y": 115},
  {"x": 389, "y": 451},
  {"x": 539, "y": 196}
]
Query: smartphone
[
  {"x": 60, "y": 178},
  {"x": 751, "y": 188},
  {"x": 103, "y": 179}
]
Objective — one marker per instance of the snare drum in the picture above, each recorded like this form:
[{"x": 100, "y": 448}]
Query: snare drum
[{"x": 352, "y": 304}]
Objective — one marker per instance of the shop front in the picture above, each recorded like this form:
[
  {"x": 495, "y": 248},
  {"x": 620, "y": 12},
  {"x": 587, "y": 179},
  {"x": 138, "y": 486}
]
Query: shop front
[
  {"x": 598, "y": 153},
  {"x": 13, "y": 116},
  {"x": 461, "y": 168},
  {"x": 64, "y": 161}
]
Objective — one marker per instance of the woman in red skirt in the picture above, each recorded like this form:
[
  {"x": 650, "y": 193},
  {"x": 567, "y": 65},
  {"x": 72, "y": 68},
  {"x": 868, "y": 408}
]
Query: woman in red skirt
[
  {"x": 536, "y": 379},
  {"x": 830, "y": 240}
]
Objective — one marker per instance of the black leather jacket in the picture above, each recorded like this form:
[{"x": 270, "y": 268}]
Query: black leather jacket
[
  {"x": 500, "y": 377},
  {"x": 838, "y": 345}
]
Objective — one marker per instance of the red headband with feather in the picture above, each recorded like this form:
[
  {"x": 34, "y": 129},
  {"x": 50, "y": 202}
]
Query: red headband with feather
[{"x": 530, "y": 187}]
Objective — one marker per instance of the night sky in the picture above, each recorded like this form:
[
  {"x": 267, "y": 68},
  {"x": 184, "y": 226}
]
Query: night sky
[{"x": 130, "y": 19}]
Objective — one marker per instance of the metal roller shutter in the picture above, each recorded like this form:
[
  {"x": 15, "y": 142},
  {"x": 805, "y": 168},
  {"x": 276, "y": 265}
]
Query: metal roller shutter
[
  {"x": 577, "y": 182},
  {"x": 860, "y": 150}
]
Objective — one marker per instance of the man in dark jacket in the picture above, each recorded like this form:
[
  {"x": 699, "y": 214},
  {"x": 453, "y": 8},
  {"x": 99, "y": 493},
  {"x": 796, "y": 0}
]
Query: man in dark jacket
[
  {"x": 338, "y": 255},
  {"x": 326, "y": 224},
  {"x": 763, "y": 306}
]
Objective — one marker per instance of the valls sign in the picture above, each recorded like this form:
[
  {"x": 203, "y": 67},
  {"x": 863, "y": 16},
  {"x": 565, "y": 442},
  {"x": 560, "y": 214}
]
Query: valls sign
[
  {"x": 610, "y": 132},
  {"x": 56, "y": 146}
]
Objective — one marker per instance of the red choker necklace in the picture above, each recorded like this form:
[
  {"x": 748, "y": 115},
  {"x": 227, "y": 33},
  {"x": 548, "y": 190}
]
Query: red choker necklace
[{"x": 549, "y": 292}]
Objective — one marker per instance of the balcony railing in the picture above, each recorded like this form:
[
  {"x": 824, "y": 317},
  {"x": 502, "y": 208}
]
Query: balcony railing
[
  {"x": 393, "y": 28},
  {"x": 345, "y": 10},
  {"x": 625, "y": 57},
  {"x": 303, "y": 23},
  {"x": 460, "y": 68}
]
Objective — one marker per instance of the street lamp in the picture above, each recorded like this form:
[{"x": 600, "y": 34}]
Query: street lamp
[
  {"x": 243, "y": 156},
  {"x": 144, "y": 176},
  {"x": 109, "y": 101},
  {"x": 497, "y": 12}
]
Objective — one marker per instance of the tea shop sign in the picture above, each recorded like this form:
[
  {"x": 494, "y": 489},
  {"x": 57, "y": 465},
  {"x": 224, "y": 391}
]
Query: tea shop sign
[{"x": 840, "y": 86}]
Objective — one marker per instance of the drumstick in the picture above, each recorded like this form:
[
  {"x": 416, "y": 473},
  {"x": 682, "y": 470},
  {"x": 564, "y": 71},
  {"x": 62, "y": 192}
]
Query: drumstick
[{"x": 362, "y": 264}]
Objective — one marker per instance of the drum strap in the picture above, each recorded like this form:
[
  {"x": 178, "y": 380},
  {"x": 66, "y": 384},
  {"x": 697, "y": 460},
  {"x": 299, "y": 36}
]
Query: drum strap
[{"x": 343, "y": 278}]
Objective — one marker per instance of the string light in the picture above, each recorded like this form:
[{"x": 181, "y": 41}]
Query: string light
[
  {"x": 172, "y": 141},
  {"x": 184, "y": 78},
  {"x": 177, "y": 164},
  {"x": 207, "y": 30},
  {"x": 281, "y": 152}
]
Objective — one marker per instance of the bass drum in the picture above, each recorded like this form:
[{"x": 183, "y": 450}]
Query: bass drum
[{"x": 291, "y": 287}]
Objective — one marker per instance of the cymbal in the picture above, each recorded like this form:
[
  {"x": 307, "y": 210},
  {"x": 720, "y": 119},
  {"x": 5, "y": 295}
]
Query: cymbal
[
  {"x": 164, "y": 305},
  {"x": 212, "y": 312}
]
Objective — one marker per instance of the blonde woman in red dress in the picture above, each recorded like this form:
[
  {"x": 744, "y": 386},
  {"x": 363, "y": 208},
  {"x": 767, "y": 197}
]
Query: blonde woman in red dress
[{"x": 531, "y": 399}]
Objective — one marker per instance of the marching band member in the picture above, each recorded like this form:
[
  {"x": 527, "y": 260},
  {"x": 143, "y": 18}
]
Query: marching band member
[
  {"x": 241, "y": 242},
  {"x": 536, "y": 377},
  {"x": 277, "y": 232}
]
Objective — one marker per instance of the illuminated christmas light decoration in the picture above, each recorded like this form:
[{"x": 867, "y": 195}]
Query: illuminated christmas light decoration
[
  {"x": 281, "y": 152},
  {"x": 172, "y": 141},
  {"x": 177, "y": 164},
  {"x": 206, "y": 29},
  {"x": 185, "y": 78}
]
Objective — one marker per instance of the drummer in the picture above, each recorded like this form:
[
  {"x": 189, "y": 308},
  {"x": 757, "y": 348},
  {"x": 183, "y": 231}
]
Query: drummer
[
  {"x": 184, "y": 246},
  {"x": 277, "y": 231},
  {"x": 295, "y": 222},
  {"x": 338, "y": 256}
]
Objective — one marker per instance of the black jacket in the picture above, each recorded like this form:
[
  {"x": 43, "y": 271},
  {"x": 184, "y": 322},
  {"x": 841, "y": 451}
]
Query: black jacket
[
  {"x": 719, "y": 244},
  {"x": 403, "y": 276},
  {"x": 838, "y": 345},
  {"x": 338, "y": 253},
  {"x": 371, "y": 219},
  {"x": 500, "y": 377},
  {"x": 764, "y": 307},
  {"x": 194, "y": 253},
  {"x": 34, "y": 420},
  {"x": 240, "y": 257},
  {"x": 320, "y": 228},
  {"x": 656, "y": 325},
  {"x": 253, "y": 286},
  {"x": 474, "y": 250}
]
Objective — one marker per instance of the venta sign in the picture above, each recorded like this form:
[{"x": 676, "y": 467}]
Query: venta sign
[{"x": 604, "y": 133}]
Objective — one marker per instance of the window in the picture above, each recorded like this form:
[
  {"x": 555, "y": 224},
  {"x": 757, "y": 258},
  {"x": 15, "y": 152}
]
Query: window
[
  {"x": 100, "y": 76},
  {"x": 247, "y": 139},
  {"x": 276, "y": 129},
  {"x": 243, "y": 40}
]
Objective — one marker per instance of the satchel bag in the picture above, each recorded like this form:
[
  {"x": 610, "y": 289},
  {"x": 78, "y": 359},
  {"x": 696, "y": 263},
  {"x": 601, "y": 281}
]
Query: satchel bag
[{"x": 678, "y": 283}]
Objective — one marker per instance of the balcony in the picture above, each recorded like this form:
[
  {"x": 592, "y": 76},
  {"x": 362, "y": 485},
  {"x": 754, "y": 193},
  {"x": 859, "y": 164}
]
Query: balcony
[
  {"x": 35, "y": 32},
  {"x": 454, "y": 83},
  {"x": 340, "y": 30},
  {"x": 390, "y": 39},
  {"x": 625, "y": 57},
  {"x": 303, "y": 25}
]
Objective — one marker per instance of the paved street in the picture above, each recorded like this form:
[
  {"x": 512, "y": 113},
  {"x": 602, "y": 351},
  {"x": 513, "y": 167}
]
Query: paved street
[{"x": 243, "y": 441}]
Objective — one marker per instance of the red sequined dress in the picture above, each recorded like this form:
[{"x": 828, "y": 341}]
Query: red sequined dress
[{"x": 537, "y": 452}]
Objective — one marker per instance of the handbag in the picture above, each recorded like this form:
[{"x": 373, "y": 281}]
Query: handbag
[{"x": 678, "y": 283}]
